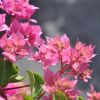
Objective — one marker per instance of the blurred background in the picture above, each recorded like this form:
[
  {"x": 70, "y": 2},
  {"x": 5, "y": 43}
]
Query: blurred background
[{"x": 78, "y": 19}]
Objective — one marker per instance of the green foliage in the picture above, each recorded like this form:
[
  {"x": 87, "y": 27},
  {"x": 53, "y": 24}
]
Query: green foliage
[
  {"x": 7, "y": 70},
  {"x": 59, "y": 96},
  {"x": 35, "y": 81},
  {"x": 9, "y": 73},
  {"x": 32, "y": 79},
  {"x": 80, "y": 98},
  {"x": 16, "y": 78},
  {"x": 26, "y": 97}
]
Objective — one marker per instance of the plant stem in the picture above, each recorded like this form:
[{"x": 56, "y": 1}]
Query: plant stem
[
  {"x": 2, "y": 94},
  {"x": 40, "y": 95},
  {"x": 66, "y": 67},
  {"x": 7, "y": 89},
  {"x": 12, "y": 18},
  {"x": 61, "y": 63}
]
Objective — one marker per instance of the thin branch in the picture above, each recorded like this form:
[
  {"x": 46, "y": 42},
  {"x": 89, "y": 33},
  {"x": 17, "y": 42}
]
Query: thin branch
[
  {"x": 61, "y": 62},
  {"x": 3, "y": 94},
  {"x": 7, "y": 89},
  {"x": 41, "y": 95}
]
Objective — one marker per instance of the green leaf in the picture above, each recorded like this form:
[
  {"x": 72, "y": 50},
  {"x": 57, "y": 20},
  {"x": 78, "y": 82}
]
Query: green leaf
[
  {"x": 16, "y": 78},
  {"x": 59, "y": 96},
  {"x": 80, "y": 98},
  {"x": 37, "y": 86},
  {"x": 26, "y": 97},
  {"x": 32, "y": 79},
  {"x": 35, "y": 81},
  {"x": 7, "y": 69}
]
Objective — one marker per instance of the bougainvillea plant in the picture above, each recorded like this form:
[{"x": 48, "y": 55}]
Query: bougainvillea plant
[{"x": 20, "y": 37}]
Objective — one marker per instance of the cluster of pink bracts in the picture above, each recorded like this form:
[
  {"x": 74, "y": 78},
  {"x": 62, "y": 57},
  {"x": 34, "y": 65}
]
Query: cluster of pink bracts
[{"x": 23, "y": 39}]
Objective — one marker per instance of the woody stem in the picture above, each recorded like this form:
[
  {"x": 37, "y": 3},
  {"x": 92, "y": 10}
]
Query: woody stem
[{"x": 7, "y": 89}]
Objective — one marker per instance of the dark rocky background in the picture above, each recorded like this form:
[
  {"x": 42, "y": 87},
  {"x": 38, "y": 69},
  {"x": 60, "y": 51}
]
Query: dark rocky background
[{"x": 77, "y": 18}]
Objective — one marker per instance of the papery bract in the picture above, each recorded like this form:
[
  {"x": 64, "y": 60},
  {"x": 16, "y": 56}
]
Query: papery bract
[
  {"x": 72, "y": 94},
  {"x": 33, "y": 33},
  {"x": 85, "y": 51},
  {"x": 3, "y": 26},
  {"x": 30, "y": 32},
  {"x": 82, "y": 71},
  {"x": 66, "y": 55},
  {"x": 58, "y": 42},
  {"x": 46, "y": 56},
  {"x": 49, "y": 81}
]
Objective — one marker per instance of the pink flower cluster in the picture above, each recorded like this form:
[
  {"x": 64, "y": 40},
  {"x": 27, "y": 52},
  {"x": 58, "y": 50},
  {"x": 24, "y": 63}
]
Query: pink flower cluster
[
  {"x": 23, "y": 39},
  {"x": 19, "y": 38},
  {"x": 19, "y": 8},
  {"x": 74, "y": 63}
]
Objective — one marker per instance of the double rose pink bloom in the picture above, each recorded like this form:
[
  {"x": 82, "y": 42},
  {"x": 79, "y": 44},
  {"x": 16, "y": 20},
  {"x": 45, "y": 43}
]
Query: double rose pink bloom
[
  {"x": 19, "y": 39},
  {"x": 21, "y": 9}
]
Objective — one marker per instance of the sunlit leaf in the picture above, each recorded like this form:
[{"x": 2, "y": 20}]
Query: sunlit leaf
[
  {"x": 16, "y": 78},
  {"x": 80, "y": 98},
  {"x": 32, "y": 79},
  {"x": 26, "y": 97},
  {"x": 37, "y": 86},
  {"x": 35, "y": 82}
]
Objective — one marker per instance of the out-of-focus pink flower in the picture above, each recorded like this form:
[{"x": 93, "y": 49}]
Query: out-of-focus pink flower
[
  {"x": 49, "y": 97},
  {"x": 13, "y": 46},
  {"x": 18, "y": 8},
  {"x": 54, "y": 82},
  {"x": 72, "y": 94},
  {"x": 93, "y": 95},
  {"x": 3, "y": 26},
  {"x": 2, "y": 98},
  {"x": 49, "y": 78},
  {"x": 67, "y": 83},
  {"x": 85, "y": 75},
  {"x": 16, "y": 94},
  {"x": 17, "y": 97}
]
